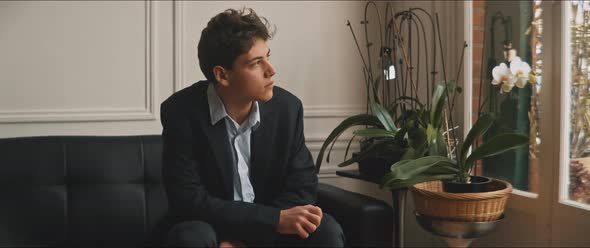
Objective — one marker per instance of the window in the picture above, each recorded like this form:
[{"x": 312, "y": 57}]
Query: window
[
  {"x": 504, "y": 31},
  {"x": 575, "y": 171}
]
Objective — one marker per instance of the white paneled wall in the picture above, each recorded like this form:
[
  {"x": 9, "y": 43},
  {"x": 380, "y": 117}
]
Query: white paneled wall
[
  {"x": 76, "y": 61},
  {"x": 104, "y": 67}
]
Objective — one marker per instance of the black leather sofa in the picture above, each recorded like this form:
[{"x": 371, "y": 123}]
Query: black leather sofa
[{"x": 107, "y": 191}]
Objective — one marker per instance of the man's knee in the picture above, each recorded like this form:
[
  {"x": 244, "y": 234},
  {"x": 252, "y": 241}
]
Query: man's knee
[
  {"x": 192, "y": 233},
  {"x": 328, "y": 233}
]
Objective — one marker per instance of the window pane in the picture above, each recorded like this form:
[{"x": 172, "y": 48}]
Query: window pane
[
  {"x": 504, "y": 33},
  {"x": 579, "y": 175}
]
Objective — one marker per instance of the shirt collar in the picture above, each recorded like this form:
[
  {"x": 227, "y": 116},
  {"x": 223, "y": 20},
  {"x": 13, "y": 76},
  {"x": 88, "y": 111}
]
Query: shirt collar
[{"x": 217, "y": 109}]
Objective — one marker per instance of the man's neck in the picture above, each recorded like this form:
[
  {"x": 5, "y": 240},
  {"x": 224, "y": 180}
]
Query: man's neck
[{"x": 236, "y": 108}]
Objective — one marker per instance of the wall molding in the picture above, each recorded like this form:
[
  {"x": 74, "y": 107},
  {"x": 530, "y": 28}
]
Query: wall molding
[
  {"x": 101, "y": 114},
  {"x": 328, "y": 170},
  {"x": 314, "y": 143},
  {"x": 178, "y": 26},
  {"x": 332, "y": 111}
]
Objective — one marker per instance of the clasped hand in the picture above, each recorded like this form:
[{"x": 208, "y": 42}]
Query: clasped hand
[{"x": 300, "y": 220}]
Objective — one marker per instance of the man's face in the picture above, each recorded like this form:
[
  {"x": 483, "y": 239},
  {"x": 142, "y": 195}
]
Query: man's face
[{"x": 251, "y": 76}]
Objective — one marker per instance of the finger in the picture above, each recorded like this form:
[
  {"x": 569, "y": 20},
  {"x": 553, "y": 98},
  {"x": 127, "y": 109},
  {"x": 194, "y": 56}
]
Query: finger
[
  {"x": 301, "y": 232},
  {"x": 315, "y": 210},
  {"x": 225, "y": 244},
  {"x": 308, "y": 226},
  {"x": 315, "y": 219}
]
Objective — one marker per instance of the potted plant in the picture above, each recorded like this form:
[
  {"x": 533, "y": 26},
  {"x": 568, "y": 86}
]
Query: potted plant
[
  {"x": 396, "y": 122},
  {"x": 420, "y": 134},
  {"x": 443, "y": 186},
  {"x": 411, "y": 171},
  {"x": 432, "y": 177}
]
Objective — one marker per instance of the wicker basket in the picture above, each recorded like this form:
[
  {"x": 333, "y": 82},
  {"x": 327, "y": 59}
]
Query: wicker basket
[{"x": 430, "y": 200}]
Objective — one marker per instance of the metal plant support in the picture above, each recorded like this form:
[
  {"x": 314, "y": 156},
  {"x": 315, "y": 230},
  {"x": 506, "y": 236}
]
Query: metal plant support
[{"x": 393, "y": 80}]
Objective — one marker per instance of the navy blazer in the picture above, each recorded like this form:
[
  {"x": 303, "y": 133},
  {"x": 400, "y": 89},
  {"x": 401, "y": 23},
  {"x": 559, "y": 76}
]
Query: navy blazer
[{"x": 197, "y": 162}]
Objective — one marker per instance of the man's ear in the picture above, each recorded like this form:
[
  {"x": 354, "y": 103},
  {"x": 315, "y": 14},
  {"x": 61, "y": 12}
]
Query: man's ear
[{"x": 221, "y": 75}]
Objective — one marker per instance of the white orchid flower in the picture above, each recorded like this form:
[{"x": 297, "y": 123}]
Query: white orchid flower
[
  {"x": 506, "y": 87},
  {"x": 502, "y": 75},
  {"x": 521, "y": 71}
]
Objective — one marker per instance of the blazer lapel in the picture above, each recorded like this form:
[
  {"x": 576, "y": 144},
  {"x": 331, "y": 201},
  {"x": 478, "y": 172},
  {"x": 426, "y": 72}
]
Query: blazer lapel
[
  {"x": 219, "y": 142},
  {"x": 223, "y": 154},
  {"x": 261, "y": 150}
]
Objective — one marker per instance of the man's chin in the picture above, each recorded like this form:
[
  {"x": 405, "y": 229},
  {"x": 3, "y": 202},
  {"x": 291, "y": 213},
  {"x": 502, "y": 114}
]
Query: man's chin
[{"x": 267, "y": 97}]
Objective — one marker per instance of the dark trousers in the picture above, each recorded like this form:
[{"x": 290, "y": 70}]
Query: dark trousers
[{"x": 201, "y": 234}]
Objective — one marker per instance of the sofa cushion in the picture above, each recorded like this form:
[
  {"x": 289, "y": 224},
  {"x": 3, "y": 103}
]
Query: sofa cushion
[{"x": 82, "y": 190}]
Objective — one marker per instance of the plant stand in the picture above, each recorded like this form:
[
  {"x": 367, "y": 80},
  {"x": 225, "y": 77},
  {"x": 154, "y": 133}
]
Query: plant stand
[
  {"x": 399, "y": 204},
  {"x": 457, "y": 233}
]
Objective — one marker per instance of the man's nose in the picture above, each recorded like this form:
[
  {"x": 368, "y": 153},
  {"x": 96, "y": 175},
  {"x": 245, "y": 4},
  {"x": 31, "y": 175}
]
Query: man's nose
[{"x": 270, "y": 70}]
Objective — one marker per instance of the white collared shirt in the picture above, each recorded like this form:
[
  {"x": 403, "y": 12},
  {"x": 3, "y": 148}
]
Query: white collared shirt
[{"x": 239, "y": 138}]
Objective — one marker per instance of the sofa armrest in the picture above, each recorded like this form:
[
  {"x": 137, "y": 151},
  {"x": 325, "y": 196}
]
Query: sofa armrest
[{"x": 365, "y": 221}]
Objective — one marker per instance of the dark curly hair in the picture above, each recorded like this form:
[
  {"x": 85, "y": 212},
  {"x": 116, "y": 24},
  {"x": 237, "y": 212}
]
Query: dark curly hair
[{"x": 228, "y": 35}]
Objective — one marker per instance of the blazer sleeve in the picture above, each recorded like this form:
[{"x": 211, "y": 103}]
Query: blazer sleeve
[
  {"x": 187, "y": 196},
  {"x": 300, "y": 187}
]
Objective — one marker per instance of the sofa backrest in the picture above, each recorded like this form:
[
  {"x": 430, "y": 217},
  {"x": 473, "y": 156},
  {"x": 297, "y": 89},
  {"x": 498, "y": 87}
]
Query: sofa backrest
[{"x": 80, "y": 190}]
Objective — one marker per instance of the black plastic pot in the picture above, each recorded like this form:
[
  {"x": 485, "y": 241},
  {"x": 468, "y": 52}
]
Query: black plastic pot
[
  {"x": 478, "y": 184},
  {"x": 377, "y": 165}
]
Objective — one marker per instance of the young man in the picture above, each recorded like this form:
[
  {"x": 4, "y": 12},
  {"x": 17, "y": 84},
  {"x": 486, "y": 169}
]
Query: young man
[{"x": 235, "y": 165}]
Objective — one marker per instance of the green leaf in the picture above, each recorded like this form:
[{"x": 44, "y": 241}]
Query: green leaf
[
  {"x": 438, "y": 99},
  {"x": 438, "y": 147},
  {"x": 410, "y": 153},
  {"x": 431, "y": 135},
  {"x": 383, "y": 116},
  {"x": 332, "y": 146},
  {"x": 361, "y": 119},
  {"x": 417, "y": 137},
  {"x": 407, "y": 169},
  {"x": 418, "y": 179},
  {"x": 376, "y": 90},
  {"x": 480, "y": 127},
  {"x": 442, "y": 144},
  {"x": 374, "y": 133},
  {"x": 437, "y": 95},
  {"x": 406, "y": 100},
  {"x": 422, "y": 117},
  {"x": 498, "y": 144},
  {"x": 348, "y": 146},
  {"x": 391, "y": 178}
]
